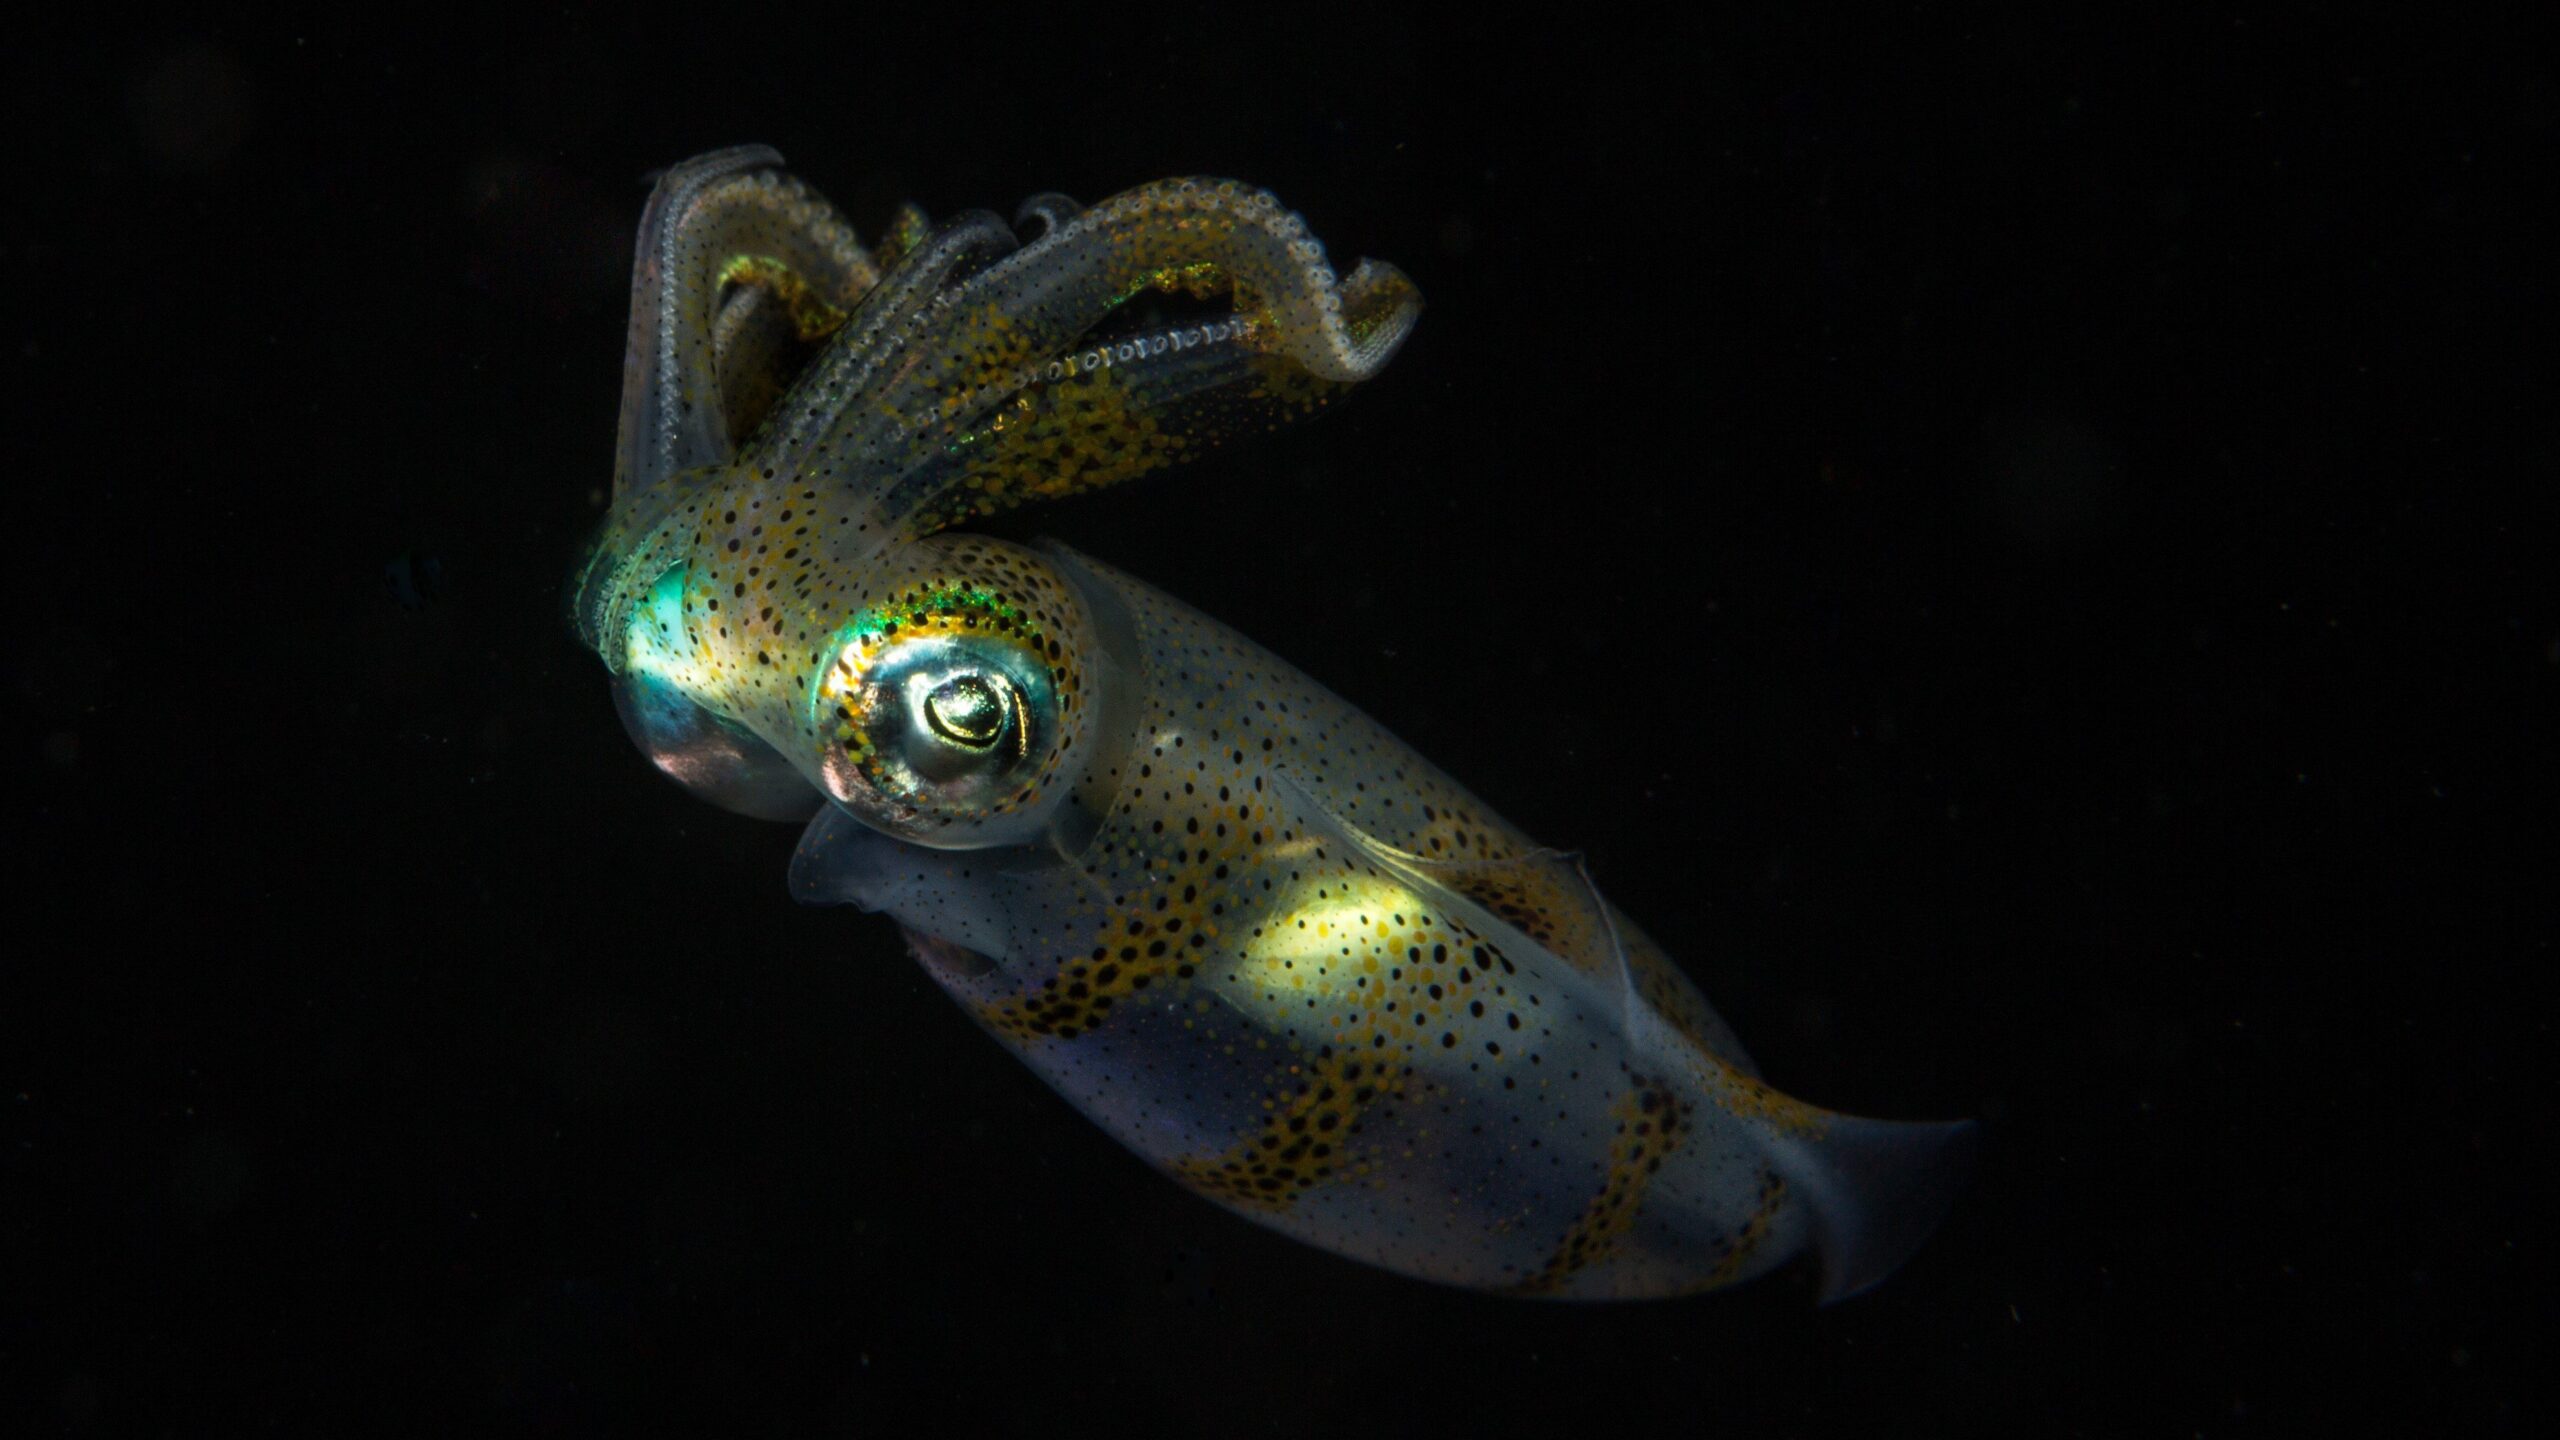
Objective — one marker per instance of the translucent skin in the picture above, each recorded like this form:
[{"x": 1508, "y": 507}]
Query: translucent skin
[{"x": 1254, "y": 936}]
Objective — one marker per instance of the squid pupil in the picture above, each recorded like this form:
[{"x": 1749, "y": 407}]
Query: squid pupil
[{"x": 966, "y": 710}]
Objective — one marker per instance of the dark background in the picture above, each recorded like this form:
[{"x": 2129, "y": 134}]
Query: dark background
[{"x": 2075, "y": 495}]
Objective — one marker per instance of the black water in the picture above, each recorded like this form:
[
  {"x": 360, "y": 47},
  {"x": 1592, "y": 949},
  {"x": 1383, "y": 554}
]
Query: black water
[{"x": 2078, "y": 497}]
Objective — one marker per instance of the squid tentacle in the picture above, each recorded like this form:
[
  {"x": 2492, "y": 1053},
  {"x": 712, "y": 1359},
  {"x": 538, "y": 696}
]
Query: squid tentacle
[
  {"x": 718, "y": 229},
  {"x": 1011, "y": 344},
  {"x": 900, "y": 310},
  {"x": 1050, "y": 208}
]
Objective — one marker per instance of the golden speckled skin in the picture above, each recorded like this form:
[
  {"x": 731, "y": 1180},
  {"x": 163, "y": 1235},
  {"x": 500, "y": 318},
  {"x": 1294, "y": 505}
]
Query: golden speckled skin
[{"x": 1249, "y": 932}]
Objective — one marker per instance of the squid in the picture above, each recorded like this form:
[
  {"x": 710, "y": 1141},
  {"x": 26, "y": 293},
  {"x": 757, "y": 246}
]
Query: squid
[{"x": 1256, "y": 938}]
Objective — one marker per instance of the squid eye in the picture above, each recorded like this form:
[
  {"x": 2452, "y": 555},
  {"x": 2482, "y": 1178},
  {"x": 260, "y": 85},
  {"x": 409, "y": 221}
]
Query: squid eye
[
  {"x": 954, "y": 712},
  {"x": 940, "y": 736},
  {"x": 975, "y": 711}
]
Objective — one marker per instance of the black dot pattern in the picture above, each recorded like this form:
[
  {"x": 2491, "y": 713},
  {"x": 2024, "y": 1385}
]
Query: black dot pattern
[
  {"x": 1250, "y": 933},
  {"x": 1253, "y": 974}
]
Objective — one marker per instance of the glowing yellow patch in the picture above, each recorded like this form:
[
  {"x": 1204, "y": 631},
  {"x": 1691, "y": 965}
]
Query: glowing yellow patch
[{"x": 1325, "y": 946}]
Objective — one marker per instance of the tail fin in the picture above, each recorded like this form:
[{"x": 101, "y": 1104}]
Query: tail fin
[{"x": 1875, "y": 1189}]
